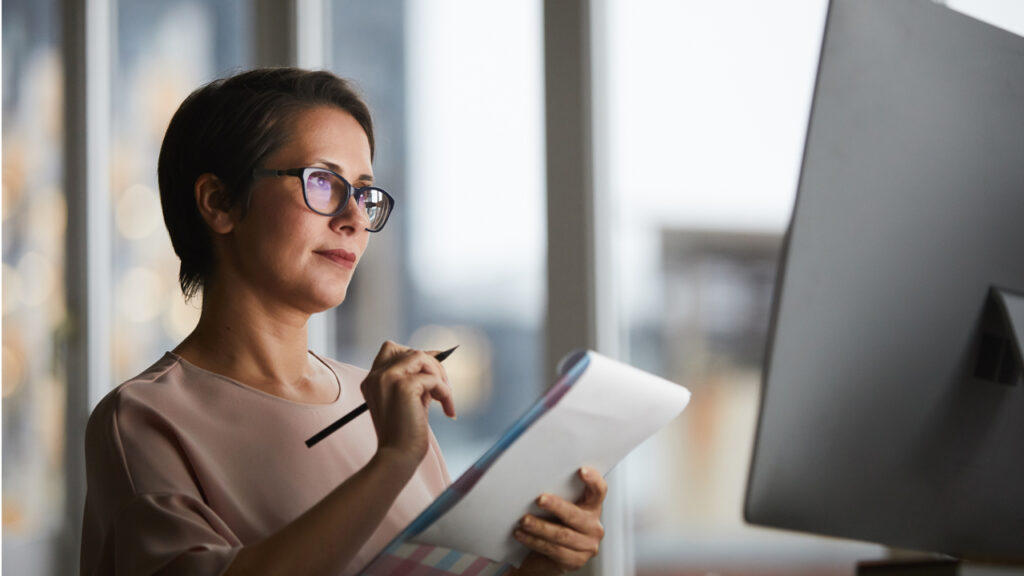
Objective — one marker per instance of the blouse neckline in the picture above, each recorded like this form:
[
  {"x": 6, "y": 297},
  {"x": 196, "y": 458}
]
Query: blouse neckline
[{"x": 337, "y": 400}]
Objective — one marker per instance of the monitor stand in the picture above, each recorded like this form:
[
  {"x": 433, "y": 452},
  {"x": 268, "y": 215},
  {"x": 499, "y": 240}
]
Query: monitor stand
[
  {"x": 944, "y": 567},
  {"x": 1000, "y": 358},
  {"x": 1001, "y": 352}
]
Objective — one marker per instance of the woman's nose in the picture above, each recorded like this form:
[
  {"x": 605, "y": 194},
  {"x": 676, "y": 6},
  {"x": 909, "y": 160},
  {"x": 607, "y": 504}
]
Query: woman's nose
[{"x": 352, "y": 215}]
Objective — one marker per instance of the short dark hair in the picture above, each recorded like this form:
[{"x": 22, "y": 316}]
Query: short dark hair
[{"x": 228, "y": 128}]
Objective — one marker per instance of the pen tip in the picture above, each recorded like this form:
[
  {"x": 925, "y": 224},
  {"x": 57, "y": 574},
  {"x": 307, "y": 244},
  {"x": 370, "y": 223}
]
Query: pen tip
[{"x": 442, "y": 355}]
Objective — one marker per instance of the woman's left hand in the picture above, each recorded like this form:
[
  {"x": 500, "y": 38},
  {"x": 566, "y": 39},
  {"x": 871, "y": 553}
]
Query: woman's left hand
[{"x": 565, "y": 544}]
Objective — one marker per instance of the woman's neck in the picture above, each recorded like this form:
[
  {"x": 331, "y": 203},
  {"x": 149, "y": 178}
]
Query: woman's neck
[{"x": 240, "y": 336}]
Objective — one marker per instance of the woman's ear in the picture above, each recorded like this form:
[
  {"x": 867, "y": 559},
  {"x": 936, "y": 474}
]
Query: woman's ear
[{"x": 212, "y": 201}]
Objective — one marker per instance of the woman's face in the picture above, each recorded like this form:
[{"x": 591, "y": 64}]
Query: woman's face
[{"x": 282, "y": 250}]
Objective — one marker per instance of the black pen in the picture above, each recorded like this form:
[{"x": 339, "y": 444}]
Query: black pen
[{"x": 440, "y": 356}]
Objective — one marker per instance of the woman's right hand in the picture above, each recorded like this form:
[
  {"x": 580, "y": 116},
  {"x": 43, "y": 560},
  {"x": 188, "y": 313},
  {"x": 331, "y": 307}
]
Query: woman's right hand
[
  {"x": 400, "y": 386},
  {"x": 398, "y": 390}
]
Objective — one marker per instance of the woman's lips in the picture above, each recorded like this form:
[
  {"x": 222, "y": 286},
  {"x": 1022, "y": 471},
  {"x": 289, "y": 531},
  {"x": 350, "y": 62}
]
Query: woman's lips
[{"x": 342, "y": 258}]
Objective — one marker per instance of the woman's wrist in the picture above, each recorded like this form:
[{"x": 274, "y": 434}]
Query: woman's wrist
[{"x": 398, "y": 464}]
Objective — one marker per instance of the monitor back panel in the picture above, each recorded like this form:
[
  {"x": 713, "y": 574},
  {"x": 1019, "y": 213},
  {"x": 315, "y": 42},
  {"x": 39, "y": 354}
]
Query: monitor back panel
[{"x": 910, "y": 206}]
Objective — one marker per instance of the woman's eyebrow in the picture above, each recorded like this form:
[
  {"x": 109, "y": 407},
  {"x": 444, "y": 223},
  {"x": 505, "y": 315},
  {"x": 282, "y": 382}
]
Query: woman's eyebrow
[
  {"x": 331, "y": 165},
  {"x": 334, "y": 167}
]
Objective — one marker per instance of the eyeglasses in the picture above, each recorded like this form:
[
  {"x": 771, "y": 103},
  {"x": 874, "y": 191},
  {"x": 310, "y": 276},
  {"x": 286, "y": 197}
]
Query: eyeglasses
[{"x": 327, "y": 193}]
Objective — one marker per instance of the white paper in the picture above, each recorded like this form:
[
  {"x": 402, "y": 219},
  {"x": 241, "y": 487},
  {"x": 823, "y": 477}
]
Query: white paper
[{"x": 610, "y": 410}]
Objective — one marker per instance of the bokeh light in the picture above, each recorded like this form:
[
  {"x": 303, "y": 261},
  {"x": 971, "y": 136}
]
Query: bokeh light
[
  {"x": 14, "y": 366},
  {"x": 180, "y": 317},
  {"x": 47, "y": 217},
  {"x": 470, "y": 369},
  {"x": 39, "y": 278},
  {"x": 12, "y": 289},
  {"x": 140, "y": 295},
  {"x": 138, "y": 212}
]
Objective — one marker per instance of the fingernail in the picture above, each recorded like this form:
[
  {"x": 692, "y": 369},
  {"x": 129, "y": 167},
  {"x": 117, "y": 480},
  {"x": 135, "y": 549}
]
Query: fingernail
[
  {"x": 543, "y": 500},
  {"x": 585, "y": 472},
  {"x": 525, "y": 522}
]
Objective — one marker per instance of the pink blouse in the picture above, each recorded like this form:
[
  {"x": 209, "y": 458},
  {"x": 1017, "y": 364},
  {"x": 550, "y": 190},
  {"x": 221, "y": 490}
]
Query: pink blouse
[{"x": 185, "y": 467}]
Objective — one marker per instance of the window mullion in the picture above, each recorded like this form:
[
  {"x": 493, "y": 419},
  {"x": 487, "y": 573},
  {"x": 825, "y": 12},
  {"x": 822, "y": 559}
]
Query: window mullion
[
  {"x": 581, "y": 309},
  {"x": 87, "y": 68}
]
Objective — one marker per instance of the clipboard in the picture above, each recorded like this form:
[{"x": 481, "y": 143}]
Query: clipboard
[{"x": 595, "y": 414}]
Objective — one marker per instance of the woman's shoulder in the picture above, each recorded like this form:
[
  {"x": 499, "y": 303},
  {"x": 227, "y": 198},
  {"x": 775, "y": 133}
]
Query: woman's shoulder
[
  {"x": 140, "y": 398},
  {"x": 172, "y": 395},
  {"x": 132, "y": 431},
  {"x": 153, "y": 385}
]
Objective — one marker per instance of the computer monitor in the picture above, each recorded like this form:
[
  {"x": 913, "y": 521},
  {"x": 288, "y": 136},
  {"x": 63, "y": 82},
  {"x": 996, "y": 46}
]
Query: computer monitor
[{"x": 893, "y": 405}]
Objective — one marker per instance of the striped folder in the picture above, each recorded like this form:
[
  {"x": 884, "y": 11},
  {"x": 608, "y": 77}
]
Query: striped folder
[{"x": 409, "y": 559}]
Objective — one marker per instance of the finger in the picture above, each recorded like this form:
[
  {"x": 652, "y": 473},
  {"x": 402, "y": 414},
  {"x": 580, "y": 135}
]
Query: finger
[
  {"x": 442, "y": 392},
  {"x": 595, "y": 490},
  {"x": 440, "y": 358},
  {"x": 559, "y": 534},
  {"x": 582, "y": 520},
  {"x": 388, "y": 352},
  {"x": 427, "y": 387},
  {"x": 566, "y": 559},
  {"x": 407, "y": 362},
  {"x": 419, "y": 361}
]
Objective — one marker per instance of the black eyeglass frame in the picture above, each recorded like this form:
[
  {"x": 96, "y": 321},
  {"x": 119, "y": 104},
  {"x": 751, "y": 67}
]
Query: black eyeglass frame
[{"x": 352, "y": 191}]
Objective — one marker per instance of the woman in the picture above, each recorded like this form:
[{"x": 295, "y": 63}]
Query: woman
[{"x": 198, "y": 465}]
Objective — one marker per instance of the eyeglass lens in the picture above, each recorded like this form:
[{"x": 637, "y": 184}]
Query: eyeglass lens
[{"x": 326, "y": 194}]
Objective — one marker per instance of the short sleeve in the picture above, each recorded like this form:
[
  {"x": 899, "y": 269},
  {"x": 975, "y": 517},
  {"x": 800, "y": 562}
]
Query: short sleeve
[
  {"x": 130, "y": 532},
  {"x": 169, "y": 534}
]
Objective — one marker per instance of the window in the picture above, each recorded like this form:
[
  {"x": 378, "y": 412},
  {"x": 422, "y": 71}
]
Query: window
[
  {"x": 155, "y": 70},
  {"x": 34, "y": 303},
  {"x": 457, "y": 89},
  {"x": 707, "y": 108}
]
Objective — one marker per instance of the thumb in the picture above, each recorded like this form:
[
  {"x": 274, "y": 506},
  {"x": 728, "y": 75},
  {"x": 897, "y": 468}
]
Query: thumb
[{"x": 594, "y": 490}]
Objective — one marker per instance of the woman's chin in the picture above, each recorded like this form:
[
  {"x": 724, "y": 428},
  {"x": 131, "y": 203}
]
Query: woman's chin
[{"x": 321, "y": 302}]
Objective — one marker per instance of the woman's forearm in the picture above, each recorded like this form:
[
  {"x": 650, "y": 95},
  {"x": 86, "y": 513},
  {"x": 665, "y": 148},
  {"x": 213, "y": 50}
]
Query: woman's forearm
[{"x": 327, "y": 537}]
